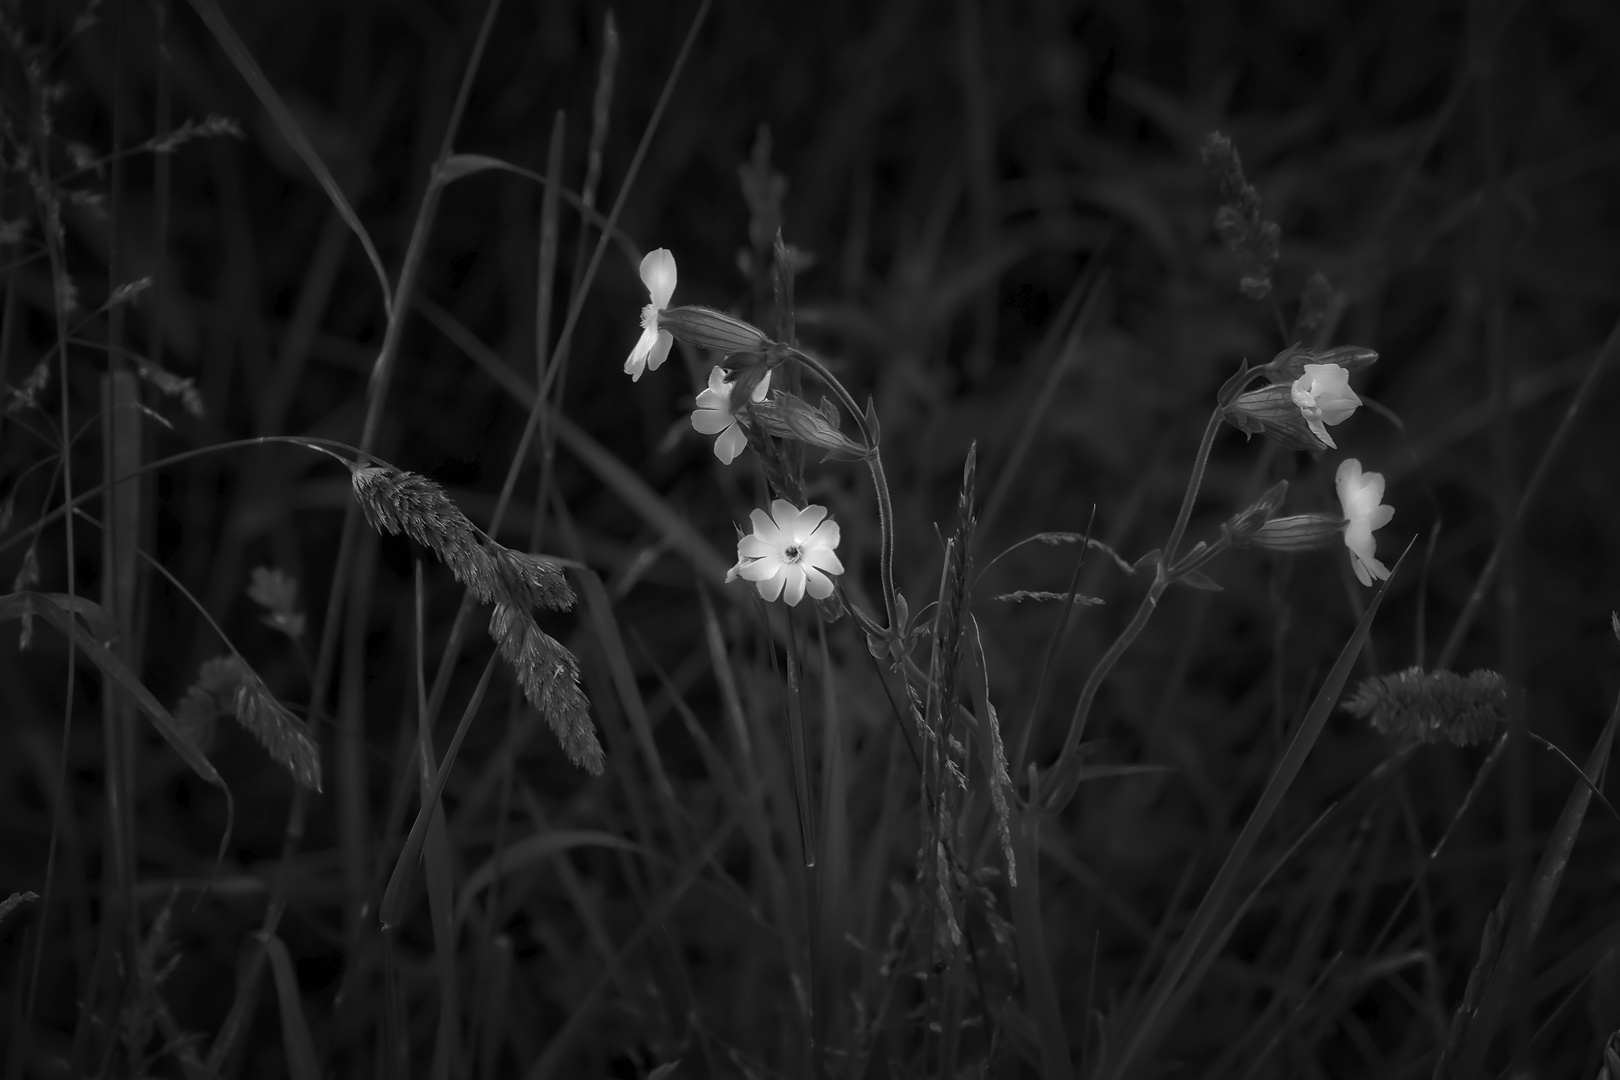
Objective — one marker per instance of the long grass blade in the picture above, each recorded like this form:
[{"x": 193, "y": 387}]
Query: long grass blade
[
  {"x": 302, "y": 1061},
  {"x": 290, "y": 130},
  {"x": 1155, "y": 1013},
  {"x": 1483, "y": 1027}
]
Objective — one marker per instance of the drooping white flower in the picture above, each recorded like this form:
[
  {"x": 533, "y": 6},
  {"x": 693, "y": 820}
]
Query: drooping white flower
[
  {"x": 713, "y": 415},
  {"x": 1360, "y": 495},
  {"x": 658, "y": 274},
  {"x": 790, "y": 553},
  {"x": 1324, "y": 396}
]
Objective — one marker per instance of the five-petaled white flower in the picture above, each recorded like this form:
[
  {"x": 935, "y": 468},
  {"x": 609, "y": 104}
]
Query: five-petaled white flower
[
  {"x": 790, "y": 553},
  {"x": 713, "y": 415},
  {"x": 1360, "y": 494},
  {"x": 1324, "y": 396},
  {"x": 658, "y": 274}
]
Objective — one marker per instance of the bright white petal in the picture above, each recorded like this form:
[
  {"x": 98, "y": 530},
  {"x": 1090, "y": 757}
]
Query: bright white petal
[
  {"x": 823, "y": 559},
  {"x": 761, "y": 389},
  {"x": 827, "y": 535},
  {"x": 819, "y": 585},
  {"x": 660, "y": 351},
  {"x": 637, "y": 363},
  {"x": 785, "y": 514},
  {"x": 763, "y": 568},
  {"x": 807, "y": 521},
  {"x": 793, "y": 584},
  {"x": 730, "y": 443},
  {"x": 711, "y": 421},
  {"x": 717, "y": 383},
  {"x": 752, "y": 547},
  {"x": 766, "y": 529},
  {"x": 770, "y": 588},
  {"x": 658, "y": 274}
]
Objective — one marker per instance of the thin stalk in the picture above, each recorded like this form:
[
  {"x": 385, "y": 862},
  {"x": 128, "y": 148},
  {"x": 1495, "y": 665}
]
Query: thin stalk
[
  {"x": 1059, "y": 772},
  {"x": 1194, "y": 482}
]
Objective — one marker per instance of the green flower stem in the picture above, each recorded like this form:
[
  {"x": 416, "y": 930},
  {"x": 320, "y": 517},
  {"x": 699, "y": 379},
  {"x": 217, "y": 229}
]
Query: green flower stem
[
  {"x": 1060, "y": 786},
  {"x": 1194, "y": 482},
  {"x": 880, "y": 481}
]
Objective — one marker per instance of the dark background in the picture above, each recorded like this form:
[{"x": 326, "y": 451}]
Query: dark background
[{"x": 962, "y": 175}]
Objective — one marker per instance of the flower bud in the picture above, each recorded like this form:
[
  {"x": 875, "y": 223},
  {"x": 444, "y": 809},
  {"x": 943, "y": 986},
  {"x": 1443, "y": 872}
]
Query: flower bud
[
  {"x": 1245, "y": 523},
  {"x": 710, "y": 329},
  {"x": 1288, "y": 365},
  {"x": 789, "y": 417},
  {"x": 1271, "y": 411},
  {"x": 1298, "y": 532}
]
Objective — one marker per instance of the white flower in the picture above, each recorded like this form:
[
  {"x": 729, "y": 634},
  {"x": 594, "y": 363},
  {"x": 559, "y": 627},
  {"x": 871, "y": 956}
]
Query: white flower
[
  {"x": 789, "y": 555},
  {"x": 1324, "y": 396},
  {"x": 658, "y": 274},
  {"x": 1360, "y": 494},
  {"x": 714, "y": 416}
]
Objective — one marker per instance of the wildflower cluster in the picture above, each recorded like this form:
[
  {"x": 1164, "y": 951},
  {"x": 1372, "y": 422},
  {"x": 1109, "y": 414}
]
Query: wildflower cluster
[
  {"x": 790, "y": 552},
  {"x": 1307, "y": 392}
]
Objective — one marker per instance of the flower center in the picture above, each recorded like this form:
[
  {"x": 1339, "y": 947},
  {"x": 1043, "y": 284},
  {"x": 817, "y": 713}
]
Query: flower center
[
  {"x": 649, "y": 317},
  {"x": 793, "y": 553}
]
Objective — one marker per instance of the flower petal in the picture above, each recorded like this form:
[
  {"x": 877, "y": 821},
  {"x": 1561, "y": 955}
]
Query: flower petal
[
  {"x": 819, "y": 585},
  {"x": 785, "y": 514},
  {"x": 822, "y": 558},
  {"x": 637, "y": 362},
  {"x": 660, "y": 351},
  {"x": 766, "y": 529},
  {"x": 711, "y": 421},
  {"x": 826, "y": 535},
  {"x": 793, "y": 584},
  {"x": 730, "y": 443},
  {"x": 658, "y": 274},
  {"x": 770, "y": 588},
  {"x": 807, "y": 520},
  {"x": 763, "y": 568},
  {"x": 752, "y": 547}
]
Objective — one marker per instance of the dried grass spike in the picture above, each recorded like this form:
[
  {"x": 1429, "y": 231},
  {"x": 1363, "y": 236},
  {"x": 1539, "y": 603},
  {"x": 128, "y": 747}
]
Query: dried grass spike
[
  {"x": 404, "y": 502},
  {"x": 281, "y": 733},
  {"x": 549, "y": 675},
  {"x": 529, "y": 581},
  {"x": 1433, "y": 706}
]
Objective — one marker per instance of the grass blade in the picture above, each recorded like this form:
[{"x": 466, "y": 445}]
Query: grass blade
[
  {"x": 287, "y": 124},
  {"x": 1156, "y": 1012},
  {"x": 302, "y": 1061}
]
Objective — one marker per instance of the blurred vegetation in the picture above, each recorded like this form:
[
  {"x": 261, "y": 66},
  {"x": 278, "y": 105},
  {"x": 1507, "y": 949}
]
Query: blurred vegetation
[{"x": 1005, "y": 237}]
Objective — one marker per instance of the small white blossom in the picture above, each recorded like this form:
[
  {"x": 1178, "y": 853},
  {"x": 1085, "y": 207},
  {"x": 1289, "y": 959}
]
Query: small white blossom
[
  {"x": 790, "y": 553},
  {"x": 713, "y": 415},
  {"x": 658, "y": 274},
  {"x": 1324, "y": 396},
  {"x": 1360, "y": 495}
]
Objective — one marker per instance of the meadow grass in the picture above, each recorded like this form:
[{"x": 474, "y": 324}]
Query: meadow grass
[{"x": 1020, "y": 671}]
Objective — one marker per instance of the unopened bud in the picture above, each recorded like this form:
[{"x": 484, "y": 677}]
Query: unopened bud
[
  {"x": 789, "y": 417},
  {"x": 1288, "y": 365},
  {"x": 1297, "y": 532},
  {"x": 1271, "y": 411},
  {"x": 1245, "y": 523},
  {"x": 710, "y": 329}
]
